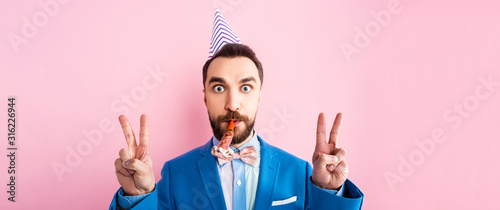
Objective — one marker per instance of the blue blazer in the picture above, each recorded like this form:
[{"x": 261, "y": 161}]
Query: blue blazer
[{"x": 191, "y": 181}]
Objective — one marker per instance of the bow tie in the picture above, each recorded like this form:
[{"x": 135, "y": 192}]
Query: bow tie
[{"x": 248, "y": 155}]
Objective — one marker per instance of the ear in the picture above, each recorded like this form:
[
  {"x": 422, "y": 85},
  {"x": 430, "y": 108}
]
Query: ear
[
  {"x": 260, "y": 94},
  {"x": 205, "y": 97}
]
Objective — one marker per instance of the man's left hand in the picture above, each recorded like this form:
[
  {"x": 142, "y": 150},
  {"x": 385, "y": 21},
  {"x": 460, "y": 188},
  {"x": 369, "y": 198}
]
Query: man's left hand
[{"x": 329, "y": 162}]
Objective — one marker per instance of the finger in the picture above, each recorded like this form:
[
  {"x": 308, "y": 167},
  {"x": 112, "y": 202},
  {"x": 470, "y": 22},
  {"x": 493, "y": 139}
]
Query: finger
[
  {"x": 321, "y": 163},
  {"x": 321, "y": 130},
  {"x": 128, "y": 132},
  {"x": 136, "y": 165},
  {"x": 141, "y": 153},
  {"x": 326, "y": 162},
  {"x": 125, "y": 154},
  {"x": 340, "y": 154},
  {"x": 329, "y": 159},
  {"x": 342, "y": 167},
  {"x": 119, "y": 168},
  {"x": 334, "y": 134},
  {"x": 144, "y": 132}
]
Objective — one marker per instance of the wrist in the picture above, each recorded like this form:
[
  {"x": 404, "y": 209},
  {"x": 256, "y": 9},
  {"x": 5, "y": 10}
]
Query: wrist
[
  {"x": 139, "y": 191},
  {"x": 325, "y": 187}
]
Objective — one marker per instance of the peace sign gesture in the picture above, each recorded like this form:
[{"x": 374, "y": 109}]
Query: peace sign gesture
[
  {"x": 330, "y": 166},
  {"x": 134, "y": 168}
]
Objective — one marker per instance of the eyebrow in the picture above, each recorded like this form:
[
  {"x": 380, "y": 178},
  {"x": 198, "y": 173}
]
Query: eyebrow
[
  {"x": 221, "y": 80},
  {"x": 216, "y": 79},
  {"x": 248, "y": 79}
]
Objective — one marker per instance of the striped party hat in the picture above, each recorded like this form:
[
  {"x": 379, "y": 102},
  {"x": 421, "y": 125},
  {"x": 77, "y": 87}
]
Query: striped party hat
[{"x": 221, "y": 34}]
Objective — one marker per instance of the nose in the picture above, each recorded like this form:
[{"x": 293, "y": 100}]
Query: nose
[{"x": 232, "y": 102}]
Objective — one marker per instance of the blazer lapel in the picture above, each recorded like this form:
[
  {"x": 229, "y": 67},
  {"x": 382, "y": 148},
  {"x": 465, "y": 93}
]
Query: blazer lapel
[
  {"x": 207, "y": 167},
  {"x": 269, "y": 166}
]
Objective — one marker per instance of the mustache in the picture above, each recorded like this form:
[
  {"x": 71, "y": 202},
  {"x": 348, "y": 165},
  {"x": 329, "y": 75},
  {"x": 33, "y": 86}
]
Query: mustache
[
  {"x": 232, "y": 115},
  {"x": 219, "y": 130}
]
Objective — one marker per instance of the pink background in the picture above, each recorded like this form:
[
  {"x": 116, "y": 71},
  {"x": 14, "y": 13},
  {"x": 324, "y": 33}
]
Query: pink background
[{"x": 402, "y": 83}]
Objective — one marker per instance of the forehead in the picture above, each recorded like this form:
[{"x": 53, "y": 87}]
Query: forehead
[{"x": 233, "y": 69}]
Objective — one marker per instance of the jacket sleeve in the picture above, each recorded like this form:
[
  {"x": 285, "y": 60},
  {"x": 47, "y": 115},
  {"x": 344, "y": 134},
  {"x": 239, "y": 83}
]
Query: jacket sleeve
[
  {"x": 149, "y": 202},
  {"x": 318, "y": 198}
]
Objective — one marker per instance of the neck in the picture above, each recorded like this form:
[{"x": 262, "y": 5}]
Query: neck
[{"x": 243, "y": 142}]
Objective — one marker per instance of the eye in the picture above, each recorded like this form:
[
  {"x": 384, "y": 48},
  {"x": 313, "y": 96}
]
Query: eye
[
  {"x": 246, "y": 88},
  {"x": 218, "y": 88}
]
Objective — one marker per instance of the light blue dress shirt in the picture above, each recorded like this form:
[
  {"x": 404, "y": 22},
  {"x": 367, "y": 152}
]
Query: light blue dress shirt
[{"x": 235, "y": 184}]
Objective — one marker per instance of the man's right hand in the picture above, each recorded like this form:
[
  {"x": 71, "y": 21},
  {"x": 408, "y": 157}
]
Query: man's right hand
[{"x": 134, "y": 168}]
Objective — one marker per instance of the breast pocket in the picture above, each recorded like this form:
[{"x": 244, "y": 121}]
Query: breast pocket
[{"x": 289, "y": 203}]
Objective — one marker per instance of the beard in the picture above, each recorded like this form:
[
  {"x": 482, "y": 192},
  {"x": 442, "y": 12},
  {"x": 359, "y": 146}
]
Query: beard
[{"x": 240, "y": 135}]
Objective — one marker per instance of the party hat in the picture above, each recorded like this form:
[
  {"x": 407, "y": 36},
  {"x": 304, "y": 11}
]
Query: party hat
[{"x": 221, "y": 34}]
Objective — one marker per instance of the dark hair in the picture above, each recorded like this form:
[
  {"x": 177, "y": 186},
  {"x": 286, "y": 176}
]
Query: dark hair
[{"x": 232, "y": 50}]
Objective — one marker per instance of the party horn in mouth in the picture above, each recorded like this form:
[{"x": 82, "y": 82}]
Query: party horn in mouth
[
  {"x": 228, "y": 136},
  {"x": 231, "y": 126}
]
